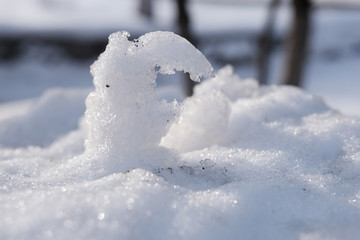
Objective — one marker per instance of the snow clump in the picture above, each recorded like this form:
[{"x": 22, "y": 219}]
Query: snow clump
[{"x": 125, "y": 121}]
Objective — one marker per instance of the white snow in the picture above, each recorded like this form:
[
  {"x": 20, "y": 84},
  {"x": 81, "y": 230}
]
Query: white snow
[
  {"x": 124, "y": 119},
  {"x": 23, "y": 129},
  {"x": 246, "y": 161}
]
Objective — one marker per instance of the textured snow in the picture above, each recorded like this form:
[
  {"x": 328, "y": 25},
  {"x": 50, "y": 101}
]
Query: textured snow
[
  {"x": 124, "y": 119},
  {"x": 237, "y": 160},
  {"x": 23, "y": 130}
]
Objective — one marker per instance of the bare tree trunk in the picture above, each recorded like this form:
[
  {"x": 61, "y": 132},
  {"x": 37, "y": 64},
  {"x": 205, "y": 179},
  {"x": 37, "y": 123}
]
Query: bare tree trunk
[
  {"x": 145, "y": 8},
  {"x": 265, "y": 43},
  {"x": 183, "y": 22},
  {"x": 298, "y": 42}
]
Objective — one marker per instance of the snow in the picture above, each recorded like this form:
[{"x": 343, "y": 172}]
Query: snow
[
  {"x": 22, "y": 130},
  {"x": 237, "y": 160},
  {"x": 123, "y": 116}
]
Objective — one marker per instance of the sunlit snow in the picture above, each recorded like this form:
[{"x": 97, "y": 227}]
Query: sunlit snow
[{"x": 234, "y": 161}]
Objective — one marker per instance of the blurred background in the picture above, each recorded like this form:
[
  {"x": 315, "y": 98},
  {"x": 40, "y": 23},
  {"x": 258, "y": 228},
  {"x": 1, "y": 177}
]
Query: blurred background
[{"x": 314, "y": 44}]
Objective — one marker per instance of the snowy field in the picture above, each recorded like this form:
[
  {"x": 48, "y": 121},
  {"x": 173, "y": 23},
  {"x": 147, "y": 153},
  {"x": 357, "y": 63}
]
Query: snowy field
[{"x": 102, "y": 156}]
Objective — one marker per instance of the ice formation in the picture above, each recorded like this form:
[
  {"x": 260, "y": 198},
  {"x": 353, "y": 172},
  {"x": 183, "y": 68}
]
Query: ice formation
[
  {"x": 254, "y": 162},
  {"x": 125, "y": 122}
]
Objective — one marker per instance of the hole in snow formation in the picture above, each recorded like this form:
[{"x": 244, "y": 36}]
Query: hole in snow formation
[{"x": 170, "y": 87}]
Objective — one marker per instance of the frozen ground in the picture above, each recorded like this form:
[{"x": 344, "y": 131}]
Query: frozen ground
[{"x": 236, "y": 160}]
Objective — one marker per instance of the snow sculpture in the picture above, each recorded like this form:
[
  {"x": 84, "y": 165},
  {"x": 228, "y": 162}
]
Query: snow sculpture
[{"x": 125, "y": 123}]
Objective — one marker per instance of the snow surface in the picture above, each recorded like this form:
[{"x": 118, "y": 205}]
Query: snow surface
[{"x": 242, "y": 160}]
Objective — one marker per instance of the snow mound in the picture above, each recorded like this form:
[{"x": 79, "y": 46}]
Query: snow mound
[
  {"x": 51, "y": 116},
  {"x": 222, "y": 110},
  {"x": 125, "y": 121},
  {"x": 241, "y": 160}
]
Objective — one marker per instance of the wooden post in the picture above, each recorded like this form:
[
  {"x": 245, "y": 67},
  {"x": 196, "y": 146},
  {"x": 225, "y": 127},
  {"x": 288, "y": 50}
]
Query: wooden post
[
  {"x": 183, "y": 22},
  {"x": 145, "y": 8},
  {"x": 298, "y": 43},
  {"x": 265, "y": 43}
]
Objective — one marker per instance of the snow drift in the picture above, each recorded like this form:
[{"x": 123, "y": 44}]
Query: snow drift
[{"x": 236, "y": 160}]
